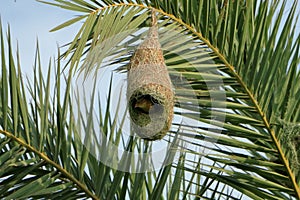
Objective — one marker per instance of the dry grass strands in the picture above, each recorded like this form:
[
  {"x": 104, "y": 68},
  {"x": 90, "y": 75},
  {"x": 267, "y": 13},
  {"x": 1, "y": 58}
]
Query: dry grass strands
[{"x": 149, "y": 92}]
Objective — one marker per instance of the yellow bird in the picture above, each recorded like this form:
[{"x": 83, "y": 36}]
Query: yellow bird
[{"x": 144, "y": 105}]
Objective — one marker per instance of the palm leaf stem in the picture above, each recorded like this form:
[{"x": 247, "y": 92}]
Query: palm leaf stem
[{"x": 48, "y": 160}]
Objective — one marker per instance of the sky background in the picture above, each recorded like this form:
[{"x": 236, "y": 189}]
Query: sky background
[{"x": 30, "y": 20}]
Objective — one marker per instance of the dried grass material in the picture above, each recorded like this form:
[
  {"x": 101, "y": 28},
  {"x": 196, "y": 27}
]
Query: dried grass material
[{"x": 148, "y": 78}]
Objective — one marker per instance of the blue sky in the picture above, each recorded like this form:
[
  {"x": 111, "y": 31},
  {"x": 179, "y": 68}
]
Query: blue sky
[{"x": 30, "y": 20}]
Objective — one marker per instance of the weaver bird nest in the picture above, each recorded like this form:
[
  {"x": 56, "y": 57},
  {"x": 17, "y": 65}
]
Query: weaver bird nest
[{"x": 149, "y": 92}]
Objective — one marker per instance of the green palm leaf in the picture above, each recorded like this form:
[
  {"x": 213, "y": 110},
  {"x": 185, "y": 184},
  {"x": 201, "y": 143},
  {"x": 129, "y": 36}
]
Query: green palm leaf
[
  {"x": 229, "y": 62},
  {"x": 33, "y": 163}
]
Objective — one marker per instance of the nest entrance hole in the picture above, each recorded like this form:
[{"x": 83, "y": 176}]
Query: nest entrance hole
[{"x": 146, "y": 104}]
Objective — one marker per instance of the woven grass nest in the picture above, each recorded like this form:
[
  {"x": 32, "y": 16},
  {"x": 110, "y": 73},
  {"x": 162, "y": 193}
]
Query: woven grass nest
[{"x": 149, "y": 92}]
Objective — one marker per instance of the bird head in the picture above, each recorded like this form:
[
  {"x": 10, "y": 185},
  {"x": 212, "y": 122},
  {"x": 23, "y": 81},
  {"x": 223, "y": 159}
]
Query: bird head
[{"x": 143, "y": 104}]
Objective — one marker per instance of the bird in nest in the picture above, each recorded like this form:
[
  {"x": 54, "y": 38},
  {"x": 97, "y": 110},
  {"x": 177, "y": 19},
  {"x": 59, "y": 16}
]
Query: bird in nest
[{"x": 146, "y": 104}]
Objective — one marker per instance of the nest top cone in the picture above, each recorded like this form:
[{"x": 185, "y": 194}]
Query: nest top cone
[{"x": 149, "y": 51}]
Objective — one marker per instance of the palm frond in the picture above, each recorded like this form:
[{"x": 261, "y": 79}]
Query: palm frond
[
  {"x": 32, "y": 160},
  {"x": 228, "y": 42},
  {"x": 229, "y": 62}
]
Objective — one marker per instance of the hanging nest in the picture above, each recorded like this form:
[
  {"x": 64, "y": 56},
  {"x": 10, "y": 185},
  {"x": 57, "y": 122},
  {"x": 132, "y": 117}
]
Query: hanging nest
[{"x": 149, "y": 92}]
